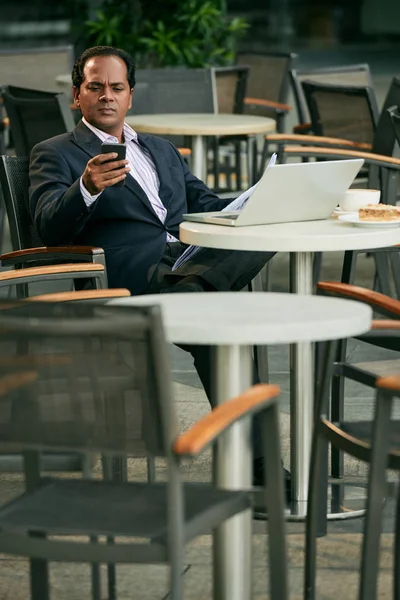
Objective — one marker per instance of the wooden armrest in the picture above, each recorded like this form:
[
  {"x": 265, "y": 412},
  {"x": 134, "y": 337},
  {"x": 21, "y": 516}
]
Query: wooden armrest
[
  {"x": 385, "y": 324},
  {"x": 316, "y": 140},
  {"x": 202, "y": 433},
  {"x": 45, "y": 250},
  {"x": 33, "y": 272},
  {"x": 302, "y": 127},
  {"x": 376, "y": 300},
  {"x": 391, "y": 382},
  {"x": 184, "y": 151},
  {"x": 13, "y": 381},
  {"x": 267, "y": 104},
  {"x": 77, "y": 296},
  {"x": 379, "y": 159}
]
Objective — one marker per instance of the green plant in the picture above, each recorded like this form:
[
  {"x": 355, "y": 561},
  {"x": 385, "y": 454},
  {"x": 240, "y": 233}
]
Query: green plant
[{"x": 192, "y": 33}]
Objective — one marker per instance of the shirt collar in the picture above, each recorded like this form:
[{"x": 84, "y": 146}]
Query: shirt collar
[{"x": 129, "y": 134}]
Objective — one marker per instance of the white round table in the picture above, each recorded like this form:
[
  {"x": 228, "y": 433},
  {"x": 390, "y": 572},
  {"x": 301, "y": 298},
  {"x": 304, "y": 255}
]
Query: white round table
[
  {"x": 301, "y": 240},
  {"x": 233, "y": 323},
  {"x": 198, "y": 127}
]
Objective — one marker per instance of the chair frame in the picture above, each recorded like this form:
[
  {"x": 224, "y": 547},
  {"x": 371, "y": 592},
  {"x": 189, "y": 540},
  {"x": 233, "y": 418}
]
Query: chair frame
[{"x": 205, "y": 432}]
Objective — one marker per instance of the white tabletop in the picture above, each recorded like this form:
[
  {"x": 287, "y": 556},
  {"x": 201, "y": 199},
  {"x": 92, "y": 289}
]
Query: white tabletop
[
  {"x": 243, "y": 318},
  {"x": 201, "y": 124},
  {"x": 307, "y": 236}
]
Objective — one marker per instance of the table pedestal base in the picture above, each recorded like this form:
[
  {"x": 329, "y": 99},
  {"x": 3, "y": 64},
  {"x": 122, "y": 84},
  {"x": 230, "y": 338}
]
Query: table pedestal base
[
  {"x": 233, "y": 470},
  {"x": 345, "y": 501}
]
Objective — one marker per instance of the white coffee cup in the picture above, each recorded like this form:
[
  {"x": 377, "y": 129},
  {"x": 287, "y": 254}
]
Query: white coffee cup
[{"x": 358, "y": 198}]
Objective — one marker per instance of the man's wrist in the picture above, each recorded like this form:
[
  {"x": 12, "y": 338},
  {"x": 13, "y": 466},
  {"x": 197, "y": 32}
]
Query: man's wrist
[{"x": 86, "y": 195}]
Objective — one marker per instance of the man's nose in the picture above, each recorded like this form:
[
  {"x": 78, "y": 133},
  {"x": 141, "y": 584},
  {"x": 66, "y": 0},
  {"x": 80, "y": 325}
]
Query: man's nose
[{"x": 106, "y": 96}]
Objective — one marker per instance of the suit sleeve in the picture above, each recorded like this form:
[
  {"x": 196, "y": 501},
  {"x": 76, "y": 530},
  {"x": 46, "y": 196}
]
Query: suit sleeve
[
  {"x": 198, "y": 196},
  {"x": 56, "y": 203}
]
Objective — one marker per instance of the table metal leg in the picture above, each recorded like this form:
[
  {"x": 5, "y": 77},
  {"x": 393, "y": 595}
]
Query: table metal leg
[
  {"x": 301, "y": 389},
  {"x": 233, "y": 470},
  {"x": 199, "y": 157}
]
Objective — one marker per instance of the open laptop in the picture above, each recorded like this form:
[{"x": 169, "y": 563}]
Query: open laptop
[{"x": 290, "y": 192}]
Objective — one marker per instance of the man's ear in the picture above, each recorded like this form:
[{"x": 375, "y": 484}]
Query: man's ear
[
  {"x": 130, "y": 102},
  {"x": 75, "y": 93}
]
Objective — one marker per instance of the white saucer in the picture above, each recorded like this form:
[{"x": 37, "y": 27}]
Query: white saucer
[
  {"x": 355, "y": 220},
  {"x": 340, "y": 211}
]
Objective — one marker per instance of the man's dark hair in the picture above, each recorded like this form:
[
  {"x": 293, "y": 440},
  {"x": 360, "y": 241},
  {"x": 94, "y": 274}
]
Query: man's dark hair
[{"x": 77, "y": 71}]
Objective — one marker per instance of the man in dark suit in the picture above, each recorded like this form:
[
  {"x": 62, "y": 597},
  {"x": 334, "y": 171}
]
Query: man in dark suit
[{"x": 74, "y": 201}]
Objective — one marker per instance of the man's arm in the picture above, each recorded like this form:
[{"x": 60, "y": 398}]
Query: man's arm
[{"x": 58, "y": 209}]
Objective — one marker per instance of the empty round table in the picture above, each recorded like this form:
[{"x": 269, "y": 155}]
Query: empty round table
[
  {"x": 198, "y": 127},
  {"x": 233, "y": 323}
]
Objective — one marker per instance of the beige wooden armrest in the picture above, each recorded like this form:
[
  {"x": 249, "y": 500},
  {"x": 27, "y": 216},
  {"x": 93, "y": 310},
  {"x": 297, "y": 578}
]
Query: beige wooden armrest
[
  {"x": 375, "y": 299},
  {"x": 202, "y": 433},
  {"x": 391, "y": 382},
  {"x": 184, "y": 151},
  {"x": 316, "y": 140},
  {"x": 379, "y": 159},
  {"x": 80, "y": 295},
  {"x": 13, "y": 381},
  {"x": 51, "y": 270},
  {"x": 44, "y": 250},
  {"x": 302, "y": 127},
  {"x": 267, "y": 104},
  {"x": 385, "y": 324}
]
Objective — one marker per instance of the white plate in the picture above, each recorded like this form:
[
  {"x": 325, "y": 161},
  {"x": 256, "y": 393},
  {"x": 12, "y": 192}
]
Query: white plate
[{"x": 355, "y": 219}]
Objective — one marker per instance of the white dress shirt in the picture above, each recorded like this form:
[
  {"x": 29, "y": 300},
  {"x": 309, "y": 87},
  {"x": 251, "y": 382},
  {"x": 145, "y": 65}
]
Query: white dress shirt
[{"x": 142, "y": 168}]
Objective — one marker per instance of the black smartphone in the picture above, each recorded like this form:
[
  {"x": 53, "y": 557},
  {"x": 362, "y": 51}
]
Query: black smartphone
[{"x": 120, "y": 149}]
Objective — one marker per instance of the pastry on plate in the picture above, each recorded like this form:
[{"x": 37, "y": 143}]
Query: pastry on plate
[{"x": 379, "y": 212}]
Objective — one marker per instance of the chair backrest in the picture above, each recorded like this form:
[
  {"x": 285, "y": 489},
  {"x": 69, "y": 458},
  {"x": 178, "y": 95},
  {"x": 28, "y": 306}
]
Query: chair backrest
[
  {"x": 385, "y": 137},
  {"x": 35, "y": 116},
  {"x": 394, "y": 114},
  {"x": 231, "y": 85},
  {"x": 348, "y": 75},
  {"x": 28, "y": 67},
  {"x": 269, "y": 76},
  {"x": 341, "y": 111},
  {"x": 14, "y": 184},
  {"x": 174, "y": 91},
  {"x": 98, "y": 379}
]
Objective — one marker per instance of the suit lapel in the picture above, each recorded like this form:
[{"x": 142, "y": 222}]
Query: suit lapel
[{"x": 91, "y": 144}]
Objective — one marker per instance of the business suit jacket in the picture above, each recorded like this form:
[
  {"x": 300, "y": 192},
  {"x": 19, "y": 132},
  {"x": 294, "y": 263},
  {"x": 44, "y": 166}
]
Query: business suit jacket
[{"x": 121, "y": 220}]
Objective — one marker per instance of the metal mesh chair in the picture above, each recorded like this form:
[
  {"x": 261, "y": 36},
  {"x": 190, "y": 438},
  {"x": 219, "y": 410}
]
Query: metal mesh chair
[
  {"x": 268, "y": 84},
  {"x": 35, "y": 116},
  {"x": 96, "y": 379},
  {"x": 28, "y": 249},
  {"x": 376, "y": 442},
  {"x": 231, "y": 84}
]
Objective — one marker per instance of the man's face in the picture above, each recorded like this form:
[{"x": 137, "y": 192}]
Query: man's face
[{"x": 104, "y": 96}]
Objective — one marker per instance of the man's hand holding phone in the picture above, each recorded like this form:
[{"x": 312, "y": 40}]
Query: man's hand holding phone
[{"x": 106, "y": 169}]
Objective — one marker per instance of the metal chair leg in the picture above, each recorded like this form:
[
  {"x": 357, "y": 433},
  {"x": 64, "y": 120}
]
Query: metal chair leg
[
  {"x": 396, "y": 565},
  {"x": 39, "y": 578},
  {"x": 375, "y": 498}
]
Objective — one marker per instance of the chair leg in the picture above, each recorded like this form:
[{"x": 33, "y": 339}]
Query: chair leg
[
  {"x": 317, "y": 264},
  {"x": 316, "y": 497},
  {"x": 39, "y": 576},
  {"x": 375, "y": 498},
  {"x": 396, "y": 566},
  {"x": 395, "y": 265},
  {"x": 274, "y": 500},
  {"x": 382, "y": 272},
  {"x": 337, "y": 410}
]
